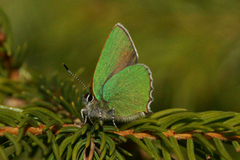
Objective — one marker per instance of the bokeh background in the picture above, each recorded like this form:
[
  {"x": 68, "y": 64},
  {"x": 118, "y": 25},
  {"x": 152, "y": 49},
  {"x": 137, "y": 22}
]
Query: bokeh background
[{"x": 192, "y": 47}]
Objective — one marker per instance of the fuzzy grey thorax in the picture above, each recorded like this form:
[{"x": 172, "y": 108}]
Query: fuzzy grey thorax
[{"x": 94, "y": 108}]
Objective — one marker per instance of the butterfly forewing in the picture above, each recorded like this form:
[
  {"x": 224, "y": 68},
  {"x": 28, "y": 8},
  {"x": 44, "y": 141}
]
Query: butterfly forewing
[{"x": 118, "y": 53}]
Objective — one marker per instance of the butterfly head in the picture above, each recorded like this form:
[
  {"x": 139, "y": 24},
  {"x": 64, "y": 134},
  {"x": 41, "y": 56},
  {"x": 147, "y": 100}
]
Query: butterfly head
[
  {"x": 92, "y": 108},
  {"x": 88, "y": 99}
]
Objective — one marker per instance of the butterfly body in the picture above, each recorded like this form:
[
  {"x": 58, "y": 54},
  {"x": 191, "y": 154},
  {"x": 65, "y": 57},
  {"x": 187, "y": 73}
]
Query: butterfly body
[{"x": 121, "y": 88}]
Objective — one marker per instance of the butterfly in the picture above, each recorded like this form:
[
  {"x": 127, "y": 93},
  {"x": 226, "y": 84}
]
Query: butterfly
[{"x": 121, "y": 88}]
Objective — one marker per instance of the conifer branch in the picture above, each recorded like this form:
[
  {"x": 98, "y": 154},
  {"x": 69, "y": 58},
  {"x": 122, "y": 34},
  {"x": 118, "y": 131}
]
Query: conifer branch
[{"x": 140, "y": 135}]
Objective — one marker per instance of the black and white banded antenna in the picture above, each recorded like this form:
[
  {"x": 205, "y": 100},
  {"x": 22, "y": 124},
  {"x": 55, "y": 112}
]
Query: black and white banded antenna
[{"x": 75, "y": 77}]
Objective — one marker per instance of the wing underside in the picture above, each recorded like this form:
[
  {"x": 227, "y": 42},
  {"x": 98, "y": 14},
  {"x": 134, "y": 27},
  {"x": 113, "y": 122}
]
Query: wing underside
[
  {"x": 118, "y": 53},
  {"x": 129, "y": 91}
]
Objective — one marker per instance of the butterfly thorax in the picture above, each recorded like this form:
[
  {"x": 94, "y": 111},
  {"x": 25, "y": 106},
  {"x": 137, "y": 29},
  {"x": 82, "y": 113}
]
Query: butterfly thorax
[{"x": 94, "y": 108}]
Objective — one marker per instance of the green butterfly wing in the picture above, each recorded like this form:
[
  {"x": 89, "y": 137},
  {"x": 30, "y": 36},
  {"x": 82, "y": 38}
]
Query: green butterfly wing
[
  {"x": 118, "y": 53},
  {"x": 129, "y": 91}
]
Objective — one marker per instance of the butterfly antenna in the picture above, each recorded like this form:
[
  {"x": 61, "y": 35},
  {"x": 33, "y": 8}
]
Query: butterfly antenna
[{"x": 75, "y": 77}]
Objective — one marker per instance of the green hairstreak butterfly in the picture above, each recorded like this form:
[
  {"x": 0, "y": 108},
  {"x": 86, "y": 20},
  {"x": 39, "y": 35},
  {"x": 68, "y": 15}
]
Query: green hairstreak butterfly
[{"x": 121, "y": 88}]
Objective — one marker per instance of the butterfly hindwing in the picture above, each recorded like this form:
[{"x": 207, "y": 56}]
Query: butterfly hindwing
[
  {"x": 129, "y": 91},
  {"x": 118, "y": 53}
]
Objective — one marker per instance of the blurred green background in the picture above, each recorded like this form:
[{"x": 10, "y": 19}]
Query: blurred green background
[{"x": 192, "y": 47}]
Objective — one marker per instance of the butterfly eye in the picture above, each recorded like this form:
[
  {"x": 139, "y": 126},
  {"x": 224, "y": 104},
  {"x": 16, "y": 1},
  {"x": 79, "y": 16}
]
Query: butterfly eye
[{"x": 89, "y": 97}]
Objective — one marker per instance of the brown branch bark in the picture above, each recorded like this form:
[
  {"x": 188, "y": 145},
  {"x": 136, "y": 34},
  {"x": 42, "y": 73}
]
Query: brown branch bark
[{"x": 181, "y": 136}]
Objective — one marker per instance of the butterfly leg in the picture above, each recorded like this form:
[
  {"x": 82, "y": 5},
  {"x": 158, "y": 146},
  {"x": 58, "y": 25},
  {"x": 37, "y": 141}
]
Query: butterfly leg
[
  {"x": 113, "y": 117},
  {"x": 83, "y": 116},
  {"x": 89, "y": 113},
  {"x": 100, "y": 116}
]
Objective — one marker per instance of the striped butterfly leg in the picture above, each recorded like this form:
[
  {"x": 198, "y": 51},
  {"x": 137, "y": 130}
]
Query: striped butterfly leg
[
  {"x": 112, "y": 112},
  {"x": 100, "y": 116},
  {"x": 84, "y": 115}
]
